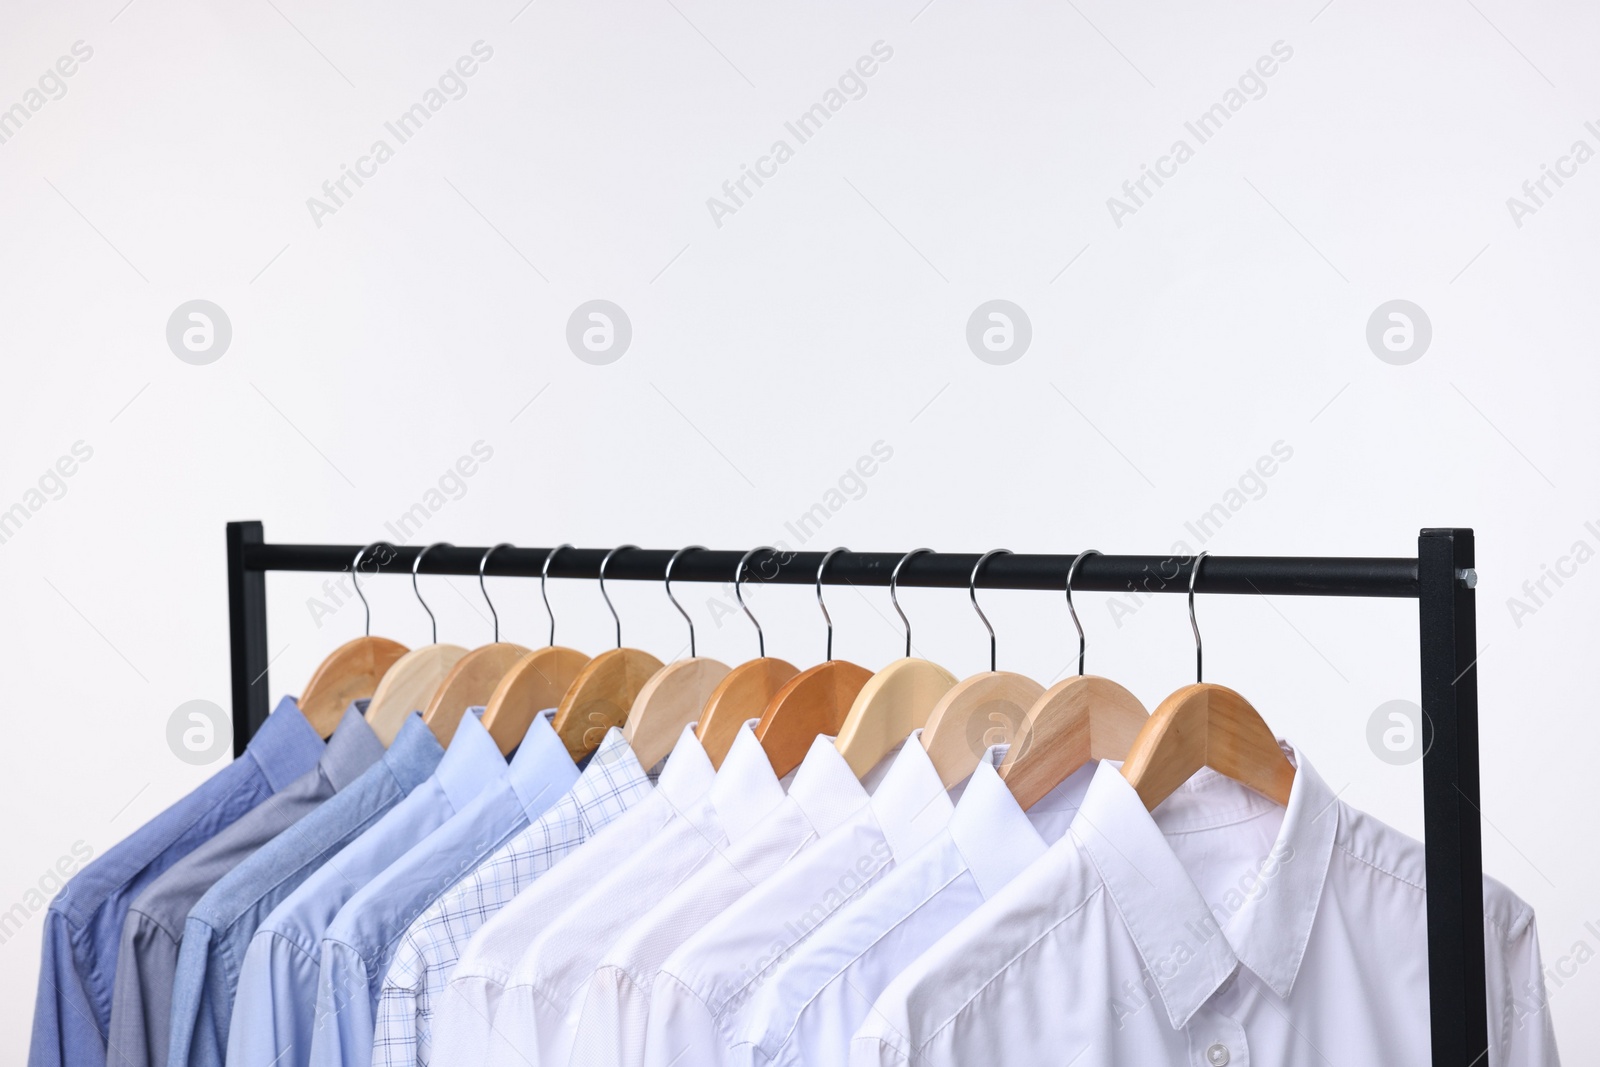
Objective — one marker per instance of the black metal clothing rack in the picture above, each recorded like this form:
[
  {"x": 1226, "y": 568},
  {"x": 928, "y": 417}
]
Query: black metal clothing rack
[{"x": 1440, "y": 578}]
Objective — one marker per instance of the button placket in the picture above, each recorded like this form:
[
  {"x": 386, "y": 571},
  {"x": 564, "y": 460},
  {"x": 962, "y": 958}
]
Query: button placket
[{"x": 1217, "y": 1040}]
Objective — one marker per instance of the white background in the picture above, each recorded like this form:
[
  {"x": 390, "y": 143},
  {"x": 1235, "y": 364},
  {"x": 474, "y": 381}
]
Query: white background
[{"x": 770, "y": 352}]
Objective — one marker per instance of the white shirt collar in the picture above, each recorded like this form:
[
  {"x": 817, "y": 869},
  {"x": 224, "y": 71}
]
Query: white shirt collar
[
  {"x": 1184, "y": 950},
  {"x": 911, "y": 803},
  {"x": 995, "y": 837},
  {"x": 825, "y": 788},
  {"x": 688, "y": 773},
  {"x": 471, "y": 751},
  {"x": 745, "y": 788}
]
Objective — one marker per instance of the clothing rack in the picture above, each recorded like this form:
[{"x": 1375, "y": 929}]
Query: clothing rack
[{"x": 1440, "y": 578}]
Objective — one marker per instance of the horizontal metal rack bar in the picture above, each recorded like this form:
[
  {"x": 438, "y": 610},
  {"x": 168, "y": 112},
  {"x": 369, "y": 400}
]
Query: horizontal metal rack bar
[{"x": 1357, "y": 576}]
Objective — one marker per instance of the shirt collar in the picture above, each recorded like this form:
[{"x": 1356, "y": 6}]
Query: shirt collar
[
  {"x": 286, "y": 745},
  {"x": 1272, "y": 927},
  {"x": 351, "y": 749},
  {"x": 825, "y": 788},
  {"x": 1185, "y": 950},
  {"x": 413, "y": 754},
  {"x": 992, "y": 832},
  {"x": 471, "y": 759},
  {"x": 688, "y": 773},
  {"x": 542, "y": 768},
  {"x": 911, "y": 803},
  {"x": 745, "y": 788}
]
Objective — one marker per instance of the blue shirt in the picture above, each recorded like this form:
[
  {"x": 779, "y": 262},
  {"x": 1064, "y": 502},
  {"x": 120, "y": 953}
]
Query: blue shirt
[
  {"x": 221, "y": 924},
  {"x": 147, "y": 961},
  {"x": 83, "y": 925},
  {"x": 275, "y": 1006},
  {"x": 362, "y": 937}
]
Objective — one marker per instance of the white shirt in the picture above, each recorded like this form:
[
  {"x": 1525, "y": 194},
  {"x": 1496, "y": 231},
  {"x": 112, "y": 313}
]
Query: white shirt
[
  {"x": 1225, "y": 930},
  {"x": 811, "y": 1005},
  {"x": 611, "y": 1026},
  {"x": 463, "y": 1026},
  {"x": 707, "y": 982},
  {"x": 537, "y": 1018}
]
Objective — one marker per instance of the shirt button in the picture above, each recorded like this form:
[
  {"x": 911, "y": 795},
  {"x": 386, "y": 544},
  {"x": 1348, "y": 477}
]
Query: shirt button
[{"x": 1217, "y": 1055}]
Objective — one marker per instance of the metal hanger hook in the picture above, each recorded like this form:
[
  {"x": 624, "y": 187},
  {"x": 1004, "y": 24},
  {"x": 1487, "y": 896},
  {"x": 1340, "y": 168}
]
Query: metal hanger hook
[
  {"x": 685, "y": 614},
  {"x": 972, "y": 591},
  {"x": 894, "y": 584},
  {"x": 544, "y": 573},
  {"x": 1071, "y": 573},
  {"x": 617, "y": 618},
  {"x": 1199, "y": 649},
  {"x": 482, "y": 563},
  {"x": 829, "y": 618},
  {"x": 418, "y": 563},
  {"x": 355, "y": 568},
  {"x": 738, "y": 576}
]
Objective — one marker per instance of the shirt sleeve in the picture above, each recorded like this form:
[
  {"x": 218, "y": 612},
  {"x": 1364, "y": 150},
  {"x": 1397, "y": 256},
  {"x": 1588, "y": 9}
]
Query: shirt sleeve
[
  {"x": 462, "y": 1020},
  {"x": 141, "y": 997},
  {"x": 1521, "y": 1029},
  {"x": 880, "y": 1041},
  {"x": 343, "y": 1036},
  {"x": 527, "y": 1028},
  {"x": 681, "y": 1028},
  {"x": 64, "y": 1028},
  {"x": 272, "y": 1021}
]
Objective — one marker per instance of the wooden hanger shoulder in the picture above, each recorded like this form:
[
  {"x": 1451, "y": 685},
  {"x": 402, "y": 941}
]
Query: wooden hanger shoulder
[
  {"x": 743, "y": 694},
  {"x": 1081, "y": 718},
  {"x": 534, "y": 683},
  {"x": 470, "y": 683},
  {"x": 350, "y": 672},
  {"x": 812, "y": 703},
  {"x": 670, "y": 700},
  {"x": 1205, "y": 725},
  {"x": 894, "y": 702},
  {"x": 601, "y": 696},
  {"x": 982, "y": 710},
  {"x": 408, "y": 686}
]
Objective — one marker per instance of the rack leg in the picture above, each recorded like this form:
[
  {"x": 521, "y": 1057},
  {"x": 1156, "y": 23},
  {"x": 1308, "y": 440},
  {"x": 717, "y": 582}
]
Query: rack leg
[
  {"x": 1450, "y": 798},
  {"x": 247, "y": 634}
]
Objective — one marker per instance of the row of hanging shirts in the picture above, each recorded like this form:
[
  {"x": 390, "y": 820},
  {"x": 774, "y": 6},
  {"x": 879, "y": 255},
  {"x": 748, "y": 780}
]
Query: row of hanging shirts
[{"x": 531, "y": 856}]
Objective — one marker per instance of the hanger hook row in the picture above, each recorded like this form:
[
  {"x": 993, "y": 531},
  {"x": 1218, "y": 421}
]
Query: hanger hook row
[
  {"x": 675, "y": 556},
  {"x": 482, "y": 563},
  {"x": 972, "y": 591},
  {"x": 544, "y": 574},
  {"x": 738, "y": 576},
  {"x": 617, "y": 618},
  {"x": 1072, "y": 572},
  {"x": 894, "y": 584},
  {"x": 829, "y": 618},
  {"x": 355, "y": 568},
  {"x": 1199, "y": 649},
  {"x": 415, "y": 564}
]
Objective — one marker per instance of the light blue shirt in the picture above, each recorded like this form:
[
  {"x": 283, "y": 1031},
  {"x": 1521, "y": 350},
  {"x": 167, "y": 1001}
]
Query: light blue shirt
[
  {"x": 362, "y": 937},
  {"x": 275, "y": 1006},
  {"x": 152, "y": 934},
  {"x": 83, "y": 926},
  {"x": 221, "y": 924}
]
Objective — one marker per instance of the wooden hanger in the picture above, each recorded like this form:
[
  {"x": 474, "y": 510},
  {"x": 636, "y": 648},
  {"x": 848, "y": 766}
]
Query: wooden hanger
[
  {"x": 674, "y": 695},
  {"x": 747, "y": 689},
  {"x": 351, "y": 671},
  {"x": 811, "y": 704},
  {"x": 963, "y": 723},
  {"x": 475, "y": 676},
  {"x": 1205, "y": 725},
  {"x": 895, "y": 701},
  {"x": 409, "y": 685},
  {"x": 534, "y": 683},
  {"x": 605, "y": 689},
  {"x": 1082, "y": 718}
]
